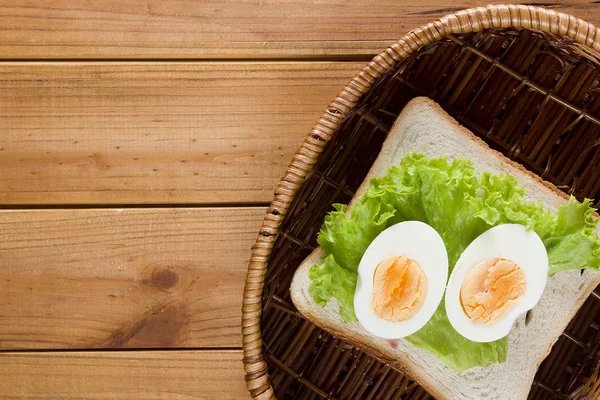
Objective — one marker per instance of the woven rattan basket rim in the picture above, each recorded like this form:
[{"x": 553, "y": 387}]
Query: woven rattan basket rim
[{"x": 465, "y": 21}]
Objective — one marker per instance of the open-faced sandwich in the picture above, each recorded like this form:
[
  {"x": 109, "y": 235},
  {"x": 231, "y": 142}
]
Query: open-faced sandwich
[{"x": 451, "y": 262}]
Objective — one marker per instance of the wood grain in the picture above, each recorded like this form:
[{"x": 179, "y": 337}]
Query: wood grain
[
  {"x": 152, "y": 133},
  {"x": 123, "y": 375},
  {"x": 233, "y": 29},
  {"x": 123, "y": 278}
]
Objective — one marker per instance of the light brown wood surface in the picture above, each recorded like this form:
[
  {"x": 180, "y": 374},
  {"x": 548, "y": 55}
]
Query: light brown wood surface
[
  {"x": 139, "y": 375},
  {"x": 123, "y": 278},
  {"x": 228, "y": 29},
  {"x": 156, "y": 133},
  {"x": 148, "y": 136}
]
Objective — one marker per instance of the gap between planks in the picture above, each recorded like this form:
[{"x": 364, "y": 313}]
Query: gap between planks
[
  {"x": 8, "y": 207},
  {"x": 324, "y": 58},
  {"x": 117, "y": 350}
]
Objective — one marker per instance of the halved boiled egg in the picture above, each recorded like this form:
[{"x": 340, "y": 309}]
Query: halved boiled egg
[
  {"x": 401, "y": 280},
  {"x": 500, "y": 276}
]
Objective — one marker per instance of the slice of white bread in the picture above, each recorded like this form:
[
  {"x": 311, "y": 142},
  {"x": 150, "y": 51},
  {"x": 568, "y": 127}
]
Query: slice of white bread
[{"x": 425, "y": 127}]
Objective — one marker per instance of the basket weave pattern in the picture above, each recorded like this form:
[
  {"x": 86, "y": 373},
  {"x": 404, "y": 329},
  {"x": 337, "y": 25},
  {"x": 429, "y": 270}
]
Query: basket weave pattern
[{"x": 529, "y": 92}]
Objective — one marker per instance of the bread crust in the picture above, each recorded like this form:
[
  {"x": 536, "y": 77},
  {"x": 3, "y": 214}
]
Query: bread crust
[{"x": 483, "y": 145}]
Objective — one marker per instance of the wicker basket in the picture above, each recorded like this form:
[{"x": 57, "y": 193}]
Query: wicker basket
[{"x": 523, "y": 78}]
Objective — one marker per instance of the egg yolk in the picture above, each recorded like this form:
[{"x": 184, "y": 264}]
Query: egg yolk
[
  {"x": 491, "y": 289},
  {"x": 399, "y": 289}
]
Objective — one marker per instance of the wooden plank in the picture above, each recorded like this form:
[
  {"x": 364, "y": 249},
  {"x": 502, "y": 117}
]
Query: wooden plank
[
  {"x": 86, "y": 279},
  {"x": 143, "y": 375},
  {"x": 149, "y": 133},
  {"x": 233, "y": 29}
]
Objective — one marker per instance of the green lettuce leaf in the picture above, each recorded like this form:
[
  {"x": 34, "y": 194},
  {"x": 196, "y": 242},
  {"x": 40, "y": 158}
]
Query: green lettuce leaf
[
  {"x": 340, "y": 233},
  {"x": 329, "y": 281},
  {"x": 460, "y": 205},
  {"x": 572, "y": 242},
  {"x": 439, "y": 337}
]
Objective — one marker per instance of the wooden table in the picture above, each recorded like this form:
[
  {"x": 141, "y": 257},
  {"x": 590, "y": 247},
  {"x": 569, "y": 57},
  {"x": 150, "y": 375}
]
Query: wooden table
[{"x": 141, "y": 142}]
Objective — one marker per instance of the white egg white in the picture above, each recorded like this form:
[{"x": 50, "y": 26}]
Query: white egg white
[
  {"x": 415, "y": 240},
  {"x": 512, "y": 242}
]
